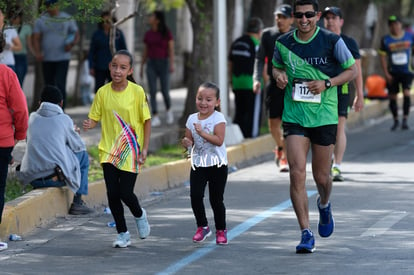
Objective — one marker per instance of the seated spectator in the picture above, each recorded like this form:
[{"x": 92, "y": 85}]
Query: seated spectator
[{"x": 55, "y": 153}]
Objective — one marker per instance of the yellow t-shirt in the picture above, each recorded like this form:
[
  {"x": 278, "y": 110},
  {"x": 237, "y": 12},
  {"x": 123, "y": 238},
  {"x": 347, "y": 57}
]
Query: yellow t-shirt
[{"x": 122, "y": 115}]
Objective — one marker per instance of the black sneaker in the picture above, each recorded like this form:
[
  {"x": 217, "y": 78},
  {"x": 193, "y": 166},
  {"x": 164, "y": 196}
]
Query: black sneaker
[
  {"x": 80, "y": 209},
  {"x": 395, "y": 125}
]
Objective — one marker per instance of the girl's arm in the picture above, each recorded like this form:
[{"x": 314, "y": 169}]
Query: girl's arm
[
  {"x": 89, "y": 124},
  {"x": 187, "y": 141},
  {"x": 16, "y": 44},
  {"x": 147, "y": 134},
  {"x": 217, "y": 138}
]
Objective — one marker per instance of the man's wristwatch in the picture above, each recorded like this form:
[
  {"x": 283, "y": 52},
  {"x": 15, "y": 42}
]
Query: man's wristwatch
[{"x": 327, "y": 84}]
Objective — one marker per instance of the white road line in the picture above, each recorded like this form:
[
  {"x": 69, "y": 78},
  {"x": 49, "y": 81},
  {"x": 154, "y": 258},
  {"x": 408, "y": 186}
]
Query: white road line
[
  {"x": 384, "y": 224},
  {"x": 236, "y": 231}
]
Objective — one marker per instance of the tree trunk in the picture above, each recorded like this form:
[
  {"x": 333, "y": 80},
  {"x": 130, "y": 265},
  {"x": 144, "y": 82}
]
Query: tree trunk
[
  {"x": 38, "y": 85},
  {"x": 201, "y": 61},
  {"x": 264, "y": 10},
  {"x": 80, "y": 57}
]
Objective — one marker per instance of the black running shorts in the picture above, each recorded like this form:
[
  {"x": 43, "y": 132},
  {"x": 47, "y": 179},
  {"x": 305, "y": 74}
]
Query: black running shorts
[{"x": 322, "y": 135}]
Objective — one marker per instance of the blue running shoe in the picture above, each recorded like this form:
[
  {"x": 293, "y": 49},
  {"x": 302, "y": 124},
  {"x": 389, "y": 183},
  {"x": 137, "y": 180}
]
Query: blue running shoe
[
  {"x": 326, "y": 222},
  {"x": 307, "y": 243}
]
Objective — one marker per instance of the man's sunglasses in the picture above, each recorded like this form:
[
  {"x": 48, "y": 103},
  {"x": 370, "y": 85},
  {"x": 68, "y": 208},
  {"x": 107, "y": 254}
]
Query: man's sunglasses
[{"x": 308, "y": 14}]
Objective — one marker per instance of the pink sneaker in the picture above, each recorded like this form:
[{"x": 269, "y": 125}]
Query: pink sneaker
[
  {"x": 221, "y": 237},
  {"x": 201, "y": 234}
]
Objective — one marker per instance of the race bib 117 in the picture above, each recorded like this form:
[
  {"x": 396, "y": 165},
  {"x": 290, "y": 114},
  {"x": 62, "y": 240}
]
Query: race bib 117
[{"x": 300, "y": 92}]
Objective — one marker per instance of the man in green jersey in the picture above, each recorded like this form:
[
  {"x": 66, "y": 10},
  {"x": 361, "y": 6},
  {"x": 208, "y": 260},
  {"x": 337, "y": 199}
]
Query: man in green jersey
[{"x": 310, "y": 63}]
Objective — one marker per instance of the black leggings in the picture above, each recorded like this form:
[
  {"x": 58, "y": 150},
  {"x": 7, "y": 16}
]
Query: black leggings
[
  {"x": 216, "y": 177},
  {"x": 120, "y": 188},
  {"x": 5, "y": 155}
]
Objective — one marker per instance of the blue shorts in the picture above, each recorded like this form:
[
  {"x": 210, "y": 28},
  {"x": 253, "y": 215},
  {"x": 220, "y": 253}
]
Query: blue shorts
[{"x": 323, "y": 135}]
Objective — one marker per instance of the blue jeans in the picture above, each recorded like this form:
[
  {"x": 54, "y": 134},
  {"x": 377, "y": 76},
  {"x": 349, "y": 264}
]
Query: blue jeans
[
  {"x": 4, "y": 166},
  {"x": 20, "y": 67},
  {"x": 159, "y": 68},
  {"x": 55, "y": 73},
  {"x": 83, "y": 159}
]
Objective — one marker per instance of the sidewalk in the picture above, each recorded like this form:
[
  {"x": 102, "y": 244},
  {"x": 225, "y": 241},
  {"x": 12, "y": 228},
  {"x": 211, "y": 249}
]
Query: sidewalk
[{"x": 39, "y": 207}]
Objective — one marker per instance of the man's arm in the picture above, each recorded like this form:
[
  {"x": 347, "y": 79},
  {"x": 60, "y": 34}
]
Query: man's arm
[
  {"x": 384, "y": 66},
  {"x": 280, "y": 76},
  {"x": 318, "y": 86},
  {"x": 358, "y": 103}
]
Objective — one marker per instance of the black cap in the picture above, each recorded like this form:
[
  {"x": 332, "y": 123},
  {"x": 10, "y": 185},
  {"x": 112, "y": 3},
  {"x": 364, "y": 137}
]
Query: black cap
[
  {"x": 285, "y": 10},
  {"x": 334, "y": 10},
  {"x": 392, "y": 19}
]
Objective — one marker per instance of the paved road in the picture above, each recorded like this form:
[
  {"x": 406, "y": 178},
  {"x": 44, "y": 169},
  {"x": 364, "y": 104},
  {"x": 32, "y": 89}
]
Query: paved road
[{"x": 373, "y": 209}]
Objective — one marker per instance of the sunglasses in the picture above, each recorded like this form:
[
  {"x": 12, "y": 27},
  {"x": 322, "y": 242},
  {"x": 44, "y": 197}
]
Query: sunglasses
[{"x": 308, "y": 14}]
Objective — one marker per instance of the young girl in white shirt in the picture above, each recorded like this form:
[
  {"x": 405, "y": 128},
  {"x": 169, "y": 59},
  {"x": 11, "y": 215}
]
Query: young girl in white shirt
[{"x": 204, "y": 134}]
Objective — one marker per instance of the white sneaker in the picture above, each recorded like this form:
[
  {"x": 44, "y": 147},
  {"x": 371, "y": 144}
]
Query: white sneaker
[
  {"x": 155, "y": 121},
  {"x": 3, "y": 246},
  {"x": 170, "y": 117},
  {"x": 122, "y": 240},
  {"x": 143, "y": 225}
]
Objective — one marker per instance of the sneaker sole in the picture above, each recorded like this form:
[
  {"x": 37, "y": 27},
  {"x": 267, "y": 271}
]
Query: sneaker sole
[
  {"x": 226, "y": 243},
  {"x": 338, "y": 178},
  {"x": 304, "y": 250},
  {"x": 284, "y": 170},
  {"x": 205, "y": 237},
  {"x": 122, "y": 246},
  {"x": 79, "y": 212}
]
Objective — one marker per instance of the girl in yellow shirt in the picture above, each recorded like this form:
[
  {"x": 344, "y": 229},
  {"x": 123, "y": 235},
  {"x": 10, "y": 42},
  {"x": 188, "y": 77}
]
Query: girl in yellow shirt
[{"x": 122, "y": 108}]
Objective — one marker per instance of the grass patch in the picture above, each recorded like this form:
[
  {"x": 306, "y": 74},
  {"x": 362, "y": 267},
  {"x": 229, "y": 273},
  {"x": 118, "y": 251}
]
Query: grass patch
[
  {"x": 166, "y": 154},
  {"x": 15, "y": 189}
]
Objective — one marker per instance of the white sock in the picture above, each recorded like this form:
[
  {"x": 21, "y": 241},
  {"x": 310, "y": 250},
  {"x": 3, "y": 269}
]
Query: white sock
[
  {"x": 309, "y": 231},
  {"x": 322, "y": 206}
]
